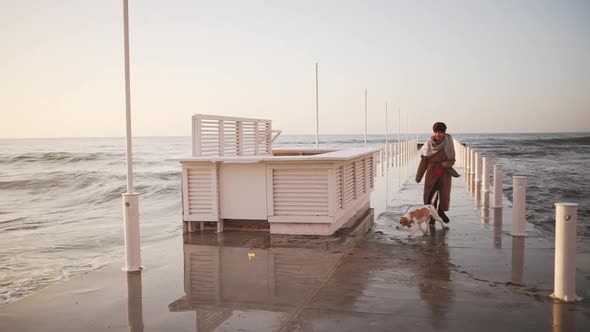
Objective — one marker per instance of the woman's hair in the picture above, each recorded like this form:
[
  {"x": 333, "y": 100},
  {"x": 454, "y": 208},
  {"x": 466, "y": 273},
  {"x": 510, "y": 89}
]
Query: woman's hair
[{"x": 439, "y": 126}]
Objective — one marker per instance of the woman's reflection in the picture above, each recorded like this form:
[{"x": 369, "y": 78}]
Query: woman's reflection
[{"x": 434, "y": 275}]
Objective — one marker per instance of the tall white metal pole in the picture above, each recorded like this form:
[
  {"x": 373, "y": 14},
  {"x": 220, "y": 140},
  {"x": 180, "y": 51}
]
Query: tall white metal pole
[
  {"x": 317, "y": 116},
  {"x": 130, "y": 198},
  {"x": 365, "y": 118}
]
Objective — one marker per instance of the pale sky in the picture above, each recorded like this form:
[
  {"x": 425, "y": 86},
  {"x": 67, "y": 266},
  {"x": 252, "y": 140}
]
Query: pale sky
[{"x": 479, "y": 66}]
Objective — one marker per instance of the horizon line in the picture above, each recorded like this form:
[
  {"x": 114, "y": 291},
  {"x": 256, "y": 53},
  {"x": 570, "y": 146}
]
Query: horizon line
[{"x": 349, "y": 134}]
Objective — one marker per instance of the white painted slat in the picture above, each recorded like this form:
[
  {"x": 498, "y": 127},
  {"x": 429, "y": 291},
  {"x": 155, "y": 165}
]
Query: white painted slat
[
  {"x": 348, "y": 190},
  {"x": 301, "y": 212},
  {"x": 359, "y": 178},
  {"x": 201, "y": 201},
  {"x": 338, "y": 195},
  {"x": 302, "y": 202},
  {"x": 287, "y": 196},
  {"x": 300, "y": 192},
  {"x": 229, "y": 136},
  {"x": 296, "y": 191},
  {"x": 302, "y": 182}
]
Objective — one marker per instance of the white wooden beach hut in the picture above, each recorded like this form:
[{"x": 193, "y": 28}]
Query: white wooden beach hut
[{"x": 234, "y": 173}]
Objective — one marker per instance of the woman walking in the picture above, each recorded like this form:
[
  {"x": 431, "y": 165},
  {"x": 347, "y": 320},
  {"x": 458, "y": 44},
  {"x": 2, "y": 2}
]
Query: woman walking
[{"x": 437, "y": 158}]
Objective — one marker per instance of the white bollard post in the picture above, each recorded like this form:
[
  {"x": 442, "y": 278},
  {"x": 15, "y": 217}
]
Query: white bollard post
[
  {"x": 398, "y": 157},
  {"x": 470, "y": 168},
  {"x": 131, "y": 232},
  {"x": 386, "y": 157},
  {"x": 485, "y": 181},
  {"x": 472, "y": 171},
  {"x": 477, "y": 184},
  {"x": 404, "y": 152},
  {"x": 519, "y": 206},
  {"x": 406, "y": 148},
  {"x": 566, "y": 217},
  {"x": 467, "y": 166},
  {"x": 381, "y": 159},
  {"x": 498, "y": 180},
  {"x": 463, "y": 164},
  {"x": 390, "y": 159},
  {"x": 464, "y": 151},
  {"x": 396, "y": 154}
]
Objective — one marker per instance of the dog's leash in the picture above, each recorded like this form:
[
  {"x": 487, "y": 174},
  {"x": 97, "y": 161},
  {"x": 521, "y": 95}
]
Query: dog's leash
[{"x": 409, "y": 206}]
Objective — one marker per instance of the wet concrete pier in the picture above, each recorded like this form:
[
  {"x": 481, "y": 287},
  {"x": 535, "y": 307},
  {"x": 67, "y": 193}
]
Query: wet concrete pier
[{"x": 370, "y": 276}]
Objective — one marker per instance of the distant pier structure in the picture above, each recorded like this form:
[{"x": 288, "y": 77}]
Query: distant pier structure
[{"x": 235, "y": 174}]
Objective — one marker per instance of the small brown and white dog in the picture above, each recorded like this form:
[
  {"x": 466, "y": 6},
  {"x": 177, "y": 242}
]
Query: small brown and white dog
[{"x": 415, "y": 218}]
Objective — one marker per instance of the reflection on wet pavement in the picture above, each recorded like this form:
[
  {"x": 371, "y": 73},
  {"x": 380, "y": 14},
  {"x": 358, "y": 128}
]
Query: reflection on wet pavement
[
  {"x": 226, "y": 275},
  {"x": 497, "y": 235},
  {"x": 435, "y": 286},
  {"x": 134, "y": 301},
  {"x": 517, "y": 262}
]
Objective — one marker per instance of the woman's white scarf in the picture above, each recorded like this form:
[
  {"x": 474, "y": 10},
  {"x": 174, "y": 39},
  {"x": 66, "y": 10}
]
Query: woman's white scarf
[{"x": 432, "y": 146}]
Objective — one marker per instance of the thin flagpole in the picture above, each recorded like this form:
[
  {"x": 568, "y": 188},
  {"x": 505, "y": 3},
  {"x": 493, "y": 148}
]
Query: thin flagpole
[
  {"x": 128, "y": 100},
  {"x": 365, "y": 118},
  {"x": 130, "y": 198},
  {"x": 317, "y": 114}
]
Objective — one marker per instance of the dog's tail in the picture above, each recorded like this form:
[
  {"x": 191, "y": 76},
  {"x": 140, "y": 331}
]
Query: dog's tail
[{"x": 433, "y": 212}]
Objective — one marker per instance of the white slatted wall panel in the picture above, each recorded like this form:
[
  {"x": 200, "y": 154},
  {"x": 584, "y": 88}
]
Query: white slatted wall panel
[
  {"x": 359, "y": 167},
  {"x": 230, "y": 142},
  {"x": 248, "y": 142},
  {"x": 203, "y": 193},
  {"x": 300, "y": 192},
  {"x": 339, "y": 182},
  {"x": 369, "y": 175},
  {"x": 353, "y": 180},
  {"x": 348, "y": 194},
  {"x": 264, "y": 138},
  {"x": 210, "y": 137},
  {"x": 228, "y": 136}
]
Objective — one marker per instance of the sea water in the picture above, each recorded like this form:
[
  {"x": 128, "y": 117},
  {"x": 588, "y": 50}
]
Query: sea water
[{"x": 61, "y": 208}]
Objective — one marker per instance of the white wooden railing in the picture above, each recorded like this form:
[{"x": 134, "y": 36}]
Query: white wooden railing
[{"x": 229, "y": 136}]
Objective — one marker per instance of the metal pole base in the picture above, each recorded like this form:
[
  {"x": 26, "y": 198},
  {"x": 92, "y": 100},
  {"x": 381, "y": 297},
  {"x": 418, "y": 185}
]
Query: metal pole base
[{"x": 131, "y": 231}]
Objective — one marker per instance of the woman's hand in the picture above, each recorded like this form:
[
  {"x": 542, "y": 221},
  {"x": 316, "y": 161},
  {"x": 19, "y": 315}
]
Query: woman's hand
[{"x": 445, "y": 164}]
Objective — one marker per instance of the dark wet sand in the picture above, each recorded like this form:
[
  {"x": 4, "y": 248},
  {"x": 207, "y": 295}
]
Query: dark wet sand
[{"x": 472, "y": 277}]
